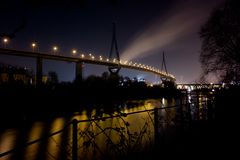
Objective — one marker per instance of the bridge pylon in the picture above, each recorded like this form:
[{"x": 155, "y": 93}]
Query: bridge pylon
[
  {"x": 164, "y": 64},
  {"x": 115, "y": 68},
  {"x": 164, "y": 67},
  {"x": 79, "y": 70},
  {"x": 39, "y": 72}
]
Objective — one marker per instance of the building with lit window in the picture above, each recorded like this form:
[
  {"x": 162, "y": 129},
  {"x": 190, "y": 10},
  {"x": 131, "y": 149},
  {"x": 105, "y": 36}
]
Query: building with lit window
[{"x": 10, "y": 74}]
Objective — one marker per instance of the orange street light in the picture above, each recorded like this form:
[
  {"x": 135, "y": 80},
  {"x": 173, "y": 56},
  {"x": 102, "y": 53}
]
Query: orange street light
[
  {"x": 5, "y": 41},
  {"x": 55, "y": 49},
  {"x": 34, "y": 45},
  {"x": 74, "y": 51}
]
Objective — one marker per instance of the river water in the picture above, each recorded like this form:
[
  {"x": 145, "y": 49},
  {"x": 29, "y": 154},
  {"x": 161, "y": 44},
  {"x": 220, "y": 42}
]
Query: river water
[{"x": 129, "y": 129}]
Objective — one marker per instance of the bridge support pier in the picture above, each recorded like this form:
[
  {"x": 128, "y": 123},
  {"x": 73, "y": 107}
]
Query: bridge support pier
[
  {"x": 39, "y": 71},
  {"x": 79, "y": 70}
]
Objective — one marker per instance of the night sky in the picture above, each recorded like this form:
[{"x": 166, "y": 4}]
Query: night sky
[{"x": 145, "y": 28}]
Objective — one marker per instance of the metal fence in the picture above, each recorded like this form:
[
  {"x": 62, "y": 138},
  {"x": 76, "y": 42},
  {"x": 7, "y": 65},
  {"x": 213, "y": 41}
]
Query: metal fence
[{"x": 108, "y": 136}]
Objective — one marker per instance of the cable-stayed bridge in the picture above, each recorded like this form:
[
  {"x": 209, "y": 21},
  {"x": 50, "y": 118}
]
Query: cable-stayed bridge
[
  {"x": 83, "y": 58},
  {"x": 113, "y": 61}
]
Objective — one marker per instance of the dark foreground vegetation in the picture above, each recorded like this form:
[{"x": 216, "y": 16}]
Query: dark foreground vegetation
[
  {"x": 215, "y": 137},
  {"x": 94, "y": 89},
  {"x": 212, "y": 138},
  {"x": 105, "y": 92}
]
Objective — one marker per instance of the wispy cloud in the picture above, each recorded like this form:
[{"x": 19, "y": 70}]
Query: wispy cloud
[{"x": 183, "y": 19}]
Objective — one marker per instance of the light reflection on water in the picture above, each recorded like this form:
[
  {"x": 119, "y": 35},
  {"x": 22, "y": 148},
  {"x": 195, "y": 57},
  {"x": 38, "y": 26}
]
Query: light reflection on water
[
  {"x": 53, "y": 142},
  {"x": 8, "y": 141},
  {"x": 119, "y": 128},
  {"x": 35, "y": 132},
  {"x": 110, "y": 131}
]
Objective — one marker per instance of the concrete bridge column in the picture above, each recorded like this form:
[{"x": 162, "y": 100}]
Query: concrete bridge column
[
  {"x": 79, "y": 70},
  {"x": 39, "y": 71}
]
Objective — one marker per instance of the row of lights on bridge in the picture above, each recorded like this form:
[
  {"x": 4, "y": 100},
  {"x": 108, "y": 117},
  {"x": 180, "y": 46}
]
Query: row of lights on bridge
[
  {"x": 34, "y": 46},
  {"x": 54, "y": 48},
  {"x": 74, "y": 52}
]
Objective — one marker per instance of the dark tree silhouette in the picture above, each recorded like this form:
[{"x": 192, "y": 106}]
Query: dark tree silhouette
[
  {"x": 105, "y": 75},
  {"x": 15, "y": 31},
  {"x": 52, "y": 77},
  {"x": 221, "y": 42}
]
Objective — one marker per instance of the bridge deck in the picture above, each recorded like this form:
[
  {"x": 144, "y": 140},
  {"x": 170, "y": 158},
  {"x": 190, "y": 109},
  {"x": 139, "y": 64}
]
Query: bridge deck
[{"x": 89, "y": 60}]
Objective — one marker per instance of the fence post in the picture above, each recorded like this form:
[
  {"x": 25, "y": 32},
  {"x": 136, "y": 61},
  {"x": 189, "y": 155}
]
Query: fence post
[
  {"x": 156, "y": 125},
  {"x": 74, "y": 139},
  {"x": 181, "y": 111}
]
